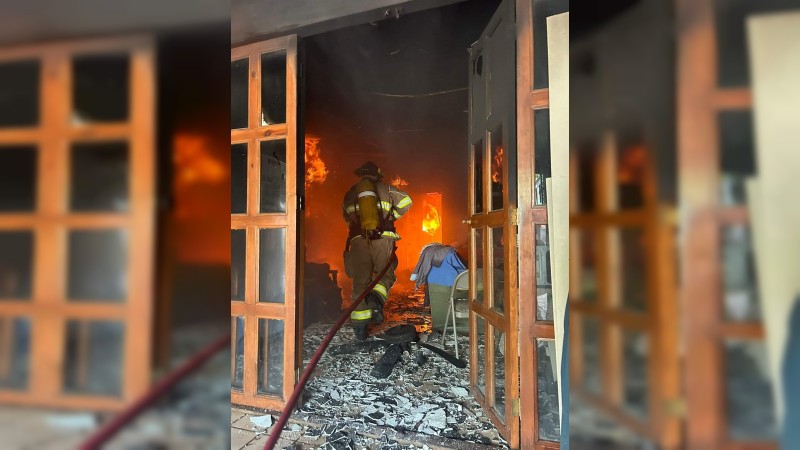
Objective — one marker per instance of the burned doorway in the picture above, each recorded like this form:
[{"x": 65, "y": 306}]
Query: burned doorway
[{"x": 394, "y": 92}]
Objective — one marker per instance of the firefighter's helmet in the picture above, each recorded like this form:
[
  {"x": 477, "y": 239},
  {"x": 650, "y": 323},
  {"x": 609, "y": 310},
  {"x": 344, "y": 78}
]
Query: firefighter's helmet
[{"x": 369, "y": 169}]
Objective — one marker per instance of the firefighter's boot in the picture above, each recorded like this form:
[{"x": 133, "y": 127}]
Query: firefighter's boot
[
  {"x": 375, "y": 303},
  {"x": 360, "y": 332}
]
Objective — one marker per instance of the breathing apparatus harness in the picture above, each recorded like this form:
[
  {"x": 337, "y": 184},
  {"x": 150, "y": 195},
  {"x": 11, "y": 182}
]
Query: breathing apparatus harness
[{"x": 370, "y": 223}]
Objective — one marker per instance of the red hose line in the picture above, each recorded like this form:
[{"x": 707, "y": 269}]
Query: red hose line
[
  {"x": 105, "y": 433},
  {"x": 298, "y": 389}
]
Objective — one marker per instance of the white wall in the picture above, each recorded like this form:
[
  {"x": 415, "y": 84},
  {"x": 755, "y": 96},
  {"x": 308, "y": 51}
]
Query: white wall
[{"x": 774, "y": 44}]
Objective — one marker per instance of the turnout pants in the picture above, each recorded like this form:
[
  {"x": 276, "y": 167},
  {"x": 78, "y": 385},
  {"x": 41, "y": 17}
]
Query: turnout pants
[{"x": 363, "y": 262}]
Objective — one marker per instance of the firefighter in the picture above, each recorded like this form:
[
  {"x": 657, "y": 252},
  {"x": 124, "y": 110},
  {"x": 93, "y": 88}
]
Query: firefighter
[{"x": 370, "y": 209}]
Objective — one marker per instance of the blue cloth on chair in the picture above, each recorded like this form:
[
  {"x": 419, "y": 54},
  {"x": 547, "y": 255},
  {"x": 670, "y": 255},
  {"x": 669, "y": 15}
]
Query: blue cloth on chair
[
  {"x": 445, "y": 274},
  {"x": 438, "y": 264}
]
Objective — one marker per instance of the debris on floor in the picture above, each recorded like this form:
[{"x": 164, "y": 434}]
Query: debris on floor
[
  {"x": 431, "y": 398},
  {"x": 261, "y": 421},
  {"x": 72, "y": 421}
]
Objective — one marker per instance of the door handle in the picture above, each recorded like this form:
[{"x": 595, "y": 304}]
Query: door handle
[{"x": 466, "y": 221}]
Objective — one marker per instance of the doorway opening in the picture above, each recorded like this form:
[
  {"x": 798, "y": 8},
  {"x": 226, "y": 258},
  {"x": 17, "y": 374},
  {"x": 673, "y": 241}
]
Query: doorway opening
[{"x": 396, "y": 93}]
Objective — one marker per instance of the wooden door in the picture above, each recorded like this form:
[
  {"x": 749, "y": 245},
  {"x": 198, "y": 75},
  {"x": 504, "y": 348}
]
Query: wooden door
[
  {"x": 728, "y": 394},
  {"x": 540, "y": 414},
  {"x": 624, "y": 358},
  {"x": 264, "y": 223},
  {"x": 494, "y": 372},
  {"x": 77, "y": 156}
]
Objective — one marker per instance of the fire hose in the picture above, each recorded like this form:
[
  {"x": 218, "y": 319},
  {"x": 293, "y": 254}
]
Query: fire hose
[
  {"x": 109, "y": 430},
  {"x": 298, "y": 389}
]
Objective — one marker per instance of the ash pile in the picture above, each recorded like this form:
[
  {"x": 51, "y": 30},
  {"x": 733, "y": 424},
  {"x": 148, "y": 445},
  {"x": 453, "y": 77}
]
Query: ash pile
[{"x": 422, "y": 396}]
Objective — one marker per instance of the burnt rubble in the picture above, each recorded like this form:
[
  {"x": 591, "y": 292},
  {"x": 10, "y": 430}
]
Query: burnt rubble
[{"x": 425, "y": 396}]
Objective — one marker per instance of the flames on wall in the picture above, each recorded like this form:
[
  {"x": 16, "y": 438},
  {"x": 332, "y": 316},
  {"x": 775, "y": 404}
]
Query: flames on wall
[
  {"x": 316, "y": 171},
  {"x": 398, "y": 182},
  {"x": 201, "y": 199},
  {"x": 431, "y": 222}
]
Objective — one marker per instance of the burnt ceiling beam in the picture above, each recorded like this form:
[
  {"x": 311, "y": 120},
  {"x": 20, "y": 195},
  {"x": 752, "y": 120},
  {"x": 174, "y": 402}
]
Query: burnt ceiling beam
[{"x": 255, "y": 20}]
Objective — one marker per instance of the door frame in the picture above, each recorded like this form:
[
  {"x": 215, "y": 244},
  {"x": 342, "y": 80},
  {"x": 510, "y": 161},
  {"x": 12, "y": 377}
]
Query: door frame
[
  {"x": 700, "y": 100},
  {"x": 253, "y": 221},
  {"x": 531, "y": 215},
  {"x": 48, "y": 308}
]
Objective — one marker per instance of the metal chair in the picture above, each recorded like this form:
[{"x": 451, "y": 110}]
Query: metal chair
[{"x": 461, "y": 283}]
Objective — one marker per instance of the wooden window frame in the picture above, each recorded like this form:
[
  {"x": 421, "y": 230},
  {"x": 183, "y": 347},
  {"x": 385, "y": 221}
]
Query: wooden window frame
[
  {"x": 253, "y": 221},
  {"x": 700, "y": 100},
  {"x": 48, "y": 308}
]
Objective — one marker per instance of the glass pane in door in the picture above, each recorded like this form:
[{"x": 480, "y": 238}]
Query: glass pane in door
[
  {"x": 100, "y": 177},
  {"x": 480, "y": 336},
  {"x": 477, "y": 242},
  {"x": 499, "y": 373},
  {"x": 239, "y": 178},
  {"x": 737, "y": 158},
  {"x": 240, "y": 82},
  {"x": 547, "y": 391},
  {"x": 273, "y": 176},
  {"x": 544, "y": 284},
  {"x": 98, "y": 265},
  {"x": 270, "y": 357},
  {"x": 588, "y": 266},
  {"x": 497, "y": 158},
  {"x": 634, "y": 366},
  {"x": 18, "y": 178},
  {"x": 19, "y": 93},
  {"x": 633, "y": 276},
  {"x": 748, "y": 390},
  {"x": 93, "y": 357},
  {"x": 273, "y": 88},
  {"x": 16, "y": 265},
  {"x": 477, "y": 176},
  {"x": 541, "y": 132},
  {"x": 237, "y": 358},
  {"x": 498, "y": 269},
  {"x": 739, "y": 288},
  {"x": 15, "y": 352},
  {"x": 238, "y": 260},
  {"x": 101, "y": 88},
  {"x": 272, "y": 265}
]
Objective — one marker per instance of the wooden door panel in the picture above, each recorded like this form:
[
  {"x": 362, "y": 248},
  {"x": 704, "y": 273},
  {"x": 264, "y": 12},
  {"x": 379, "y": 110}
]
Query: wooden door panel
[
  {"x": 537, "y": 312},
  {"x": 264, "y": 356},
  {"x": 715, "y": 129},
  {"x": 494, "y": 373},
  {"x": 91, "y": 252}
]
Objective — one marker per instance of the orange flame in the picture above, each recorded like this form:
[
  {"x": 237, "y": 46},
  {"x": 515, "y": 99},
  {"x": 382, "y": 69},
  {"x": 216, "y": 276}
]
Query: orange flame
[
  {"x": 195, "y": 161},
  {"x": 316, "y": 171},
  {"x": 631, "y": 165},
  {"x": 431, "y": 222},
  {"x": 497, "y": 166},
  {"x": 399, "y": 182}
]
